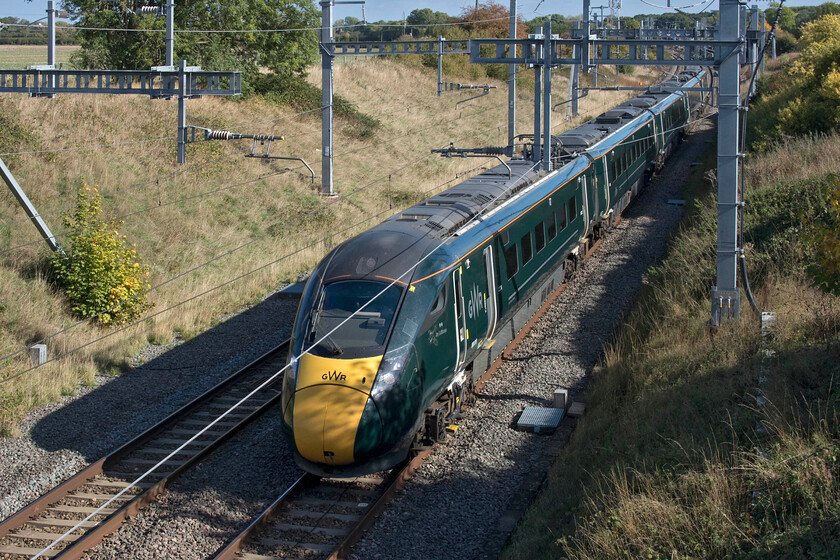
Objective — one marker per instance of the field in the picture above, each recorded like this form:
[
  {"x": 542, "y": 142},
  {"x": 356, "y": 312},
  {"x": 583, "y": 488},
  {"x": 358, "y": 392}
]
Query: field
[{"x": 14, "y": 57}]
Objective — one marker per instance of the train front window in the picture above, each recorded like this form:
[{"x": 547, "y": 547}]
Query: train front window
[{"x": 352, "y": 319}]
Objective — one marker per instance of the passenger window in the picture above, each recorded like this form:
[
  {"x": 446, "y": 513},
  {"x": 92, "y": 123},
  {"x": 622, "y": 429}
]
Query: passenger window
[
  {"x": 511, "y": 261},
  {"x": 572, "y": 208},
  {"x": 527, "y": 249},
  {"x": 564, "y": 217},
  {"x": 552, "y": 226},
  {"x": 539, "y": 237}
]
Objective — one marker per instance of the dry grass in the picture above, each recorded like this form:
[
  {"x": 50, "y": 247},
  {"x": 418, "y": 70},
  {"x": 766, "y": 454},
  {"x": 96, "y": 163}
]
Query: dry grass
[
  {"x": 266, "y": 216},
  {"x": 20, "y": 56},
  {"x": 669, "y": 461}
]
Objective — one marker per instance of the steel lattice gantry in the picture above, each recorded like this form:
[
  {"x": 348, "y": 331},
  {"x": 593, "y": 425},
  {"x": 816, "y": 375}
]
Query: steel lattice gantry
[{"x": 724, "y": 49}]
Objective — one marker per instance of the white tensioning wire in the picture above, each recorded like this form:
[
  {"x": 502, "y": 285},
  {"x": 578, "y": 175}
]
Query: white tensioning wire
[{"x": 268, "y": 381}]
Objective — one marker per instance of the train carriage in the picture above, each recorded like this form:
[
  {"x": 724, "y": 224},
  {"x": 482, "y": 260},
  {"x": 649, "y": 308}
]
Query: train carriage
[{"x": 396, "y": 324}]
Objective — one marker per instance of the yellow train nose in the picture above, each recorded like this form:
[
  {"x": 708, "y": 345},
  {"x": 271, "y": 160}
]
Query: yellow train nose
[
  {"x": 326, "y": 420},
  {"x": 330, "y": 399}
]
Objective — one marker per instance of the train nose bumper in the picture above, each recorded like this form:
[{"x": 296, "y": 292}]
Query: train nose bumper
[{"x": 329, "y": 402}]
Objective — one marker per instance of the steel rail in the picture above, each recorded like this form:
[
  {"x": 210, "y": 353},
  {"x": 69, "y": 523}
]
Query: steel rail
[
  {"x": 298, "y": 498},
  {"x": 97, "y": 475}
]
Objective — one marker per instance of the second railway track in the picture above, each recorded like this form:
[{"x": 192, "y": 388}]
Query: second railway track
[{"x": 75, "y": 504}]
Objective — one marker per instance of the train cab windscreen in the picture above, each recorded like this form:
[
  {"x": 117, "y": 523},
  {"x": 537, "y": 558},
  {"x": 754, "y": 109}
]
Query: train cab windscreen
[{"x": 352, "y": 319}]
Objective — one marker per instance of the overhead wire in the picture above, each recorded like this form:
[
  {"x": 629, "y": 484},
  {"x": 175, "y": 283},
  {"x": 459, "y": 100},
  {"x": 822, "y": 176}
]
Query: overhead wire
[
  {"x": 206, "y": 263},
  {"x": 277, "y": 374},
  {"x": 221, "y": 189},
  {"x": 226, "y": 283}
]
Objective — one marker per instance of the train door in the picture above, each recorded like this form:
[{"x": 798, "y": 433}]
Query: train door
[
  {"x": 460, "y": 319},
  {"x": 492, "y": 308},
  {"x": 473, "y": 312}
]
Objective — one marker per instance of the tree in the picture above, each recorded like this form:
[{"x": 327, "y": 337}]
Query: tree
[
  {"x": 284, "y": 53},
  {"x": 489, "y": 20},
  {"x": 430, "y": 22}
]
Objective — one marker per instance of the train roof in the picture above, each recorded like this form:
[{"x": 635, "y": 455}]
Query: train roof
[{"x": 387, "y": 250}]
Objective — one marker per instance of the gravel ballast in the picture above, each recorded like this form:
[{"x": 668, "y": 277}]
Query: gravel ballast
[
  {"x": 56, "y": 441},
  {"x": 458, "y": 503}
]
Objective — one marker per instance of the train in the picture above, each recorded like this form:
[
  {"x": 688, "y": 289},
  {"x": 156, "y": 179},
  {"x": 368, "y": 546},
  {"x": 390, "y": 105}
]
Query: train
[{"x": 395, "y": 325}]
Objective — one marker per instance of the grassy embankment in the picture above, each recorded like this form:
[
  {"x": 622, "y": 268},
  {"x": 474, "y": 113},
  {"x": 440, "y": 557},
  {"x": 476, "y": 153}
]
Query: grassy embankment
[
  {"x": 674, "y": 458},
  {"x": 180, "y": 217}
]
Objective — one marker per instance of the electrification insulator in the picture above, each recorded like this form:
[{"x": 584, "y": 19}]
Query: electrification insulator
[
  {"x": 496, "y": 151},
  {"x": 220, "y": 135},
  {"x": 149, "y": 10}
]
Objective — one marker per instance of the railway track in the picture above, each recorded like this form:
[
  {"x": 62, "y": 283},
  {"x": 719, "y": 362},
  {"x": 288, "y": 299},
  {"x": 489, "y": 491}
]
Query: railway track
[
  {"x": 70, "y": 519},
  {"x": 323, "y": 518},
  {"x": 319, "y": 518}
]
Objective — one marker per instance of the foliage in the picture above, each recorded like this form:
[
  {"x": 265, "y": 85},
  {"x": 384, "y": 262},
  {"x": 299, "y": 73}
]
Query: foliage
[
  {"x": 826, "y": 268},
  {"x": 288, "y": 53},
  {"x": 806, "y": 99},
  {"x": 430, "y": 22},
  {"x": 99, "y": 271}
]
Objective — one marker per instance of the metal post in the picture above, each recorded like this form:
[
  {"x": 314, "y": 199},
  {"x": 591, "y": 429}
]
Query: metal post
[
  {"x": 170, "y": 32},
  {"x": 50, "y": 34},
  {"x": 182, "y": 112},
  {"x": 326, "y": 98},
  {"x": 512, "y": 79},
  {"x": 440, "y": 64},
  {"x": 51, "y": 41},
  {"x": 763, "y": 25},
  {"x": 548, "y": 57},
  {"x": 28, "y": 207},
  {"x": 754, "y": 49},
  {"x": 726, "y": 298},
  {"x": 537, "y": 156}
]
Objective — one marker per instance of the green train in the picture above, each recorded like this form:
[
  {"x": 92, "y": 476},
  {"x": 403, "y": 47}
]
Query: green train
[{"x": 396, "y": 324}]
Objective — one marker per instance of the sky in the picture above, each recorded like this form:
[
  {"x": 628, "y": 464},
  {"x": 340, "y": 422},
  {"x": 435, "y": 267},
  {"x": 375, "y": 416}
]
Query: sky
[{"x": 393, "y": 9}]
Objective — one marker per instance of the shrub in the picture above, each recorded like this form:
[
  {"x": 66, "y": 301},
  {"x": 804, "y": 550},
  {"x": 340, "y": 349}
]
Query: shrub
[{"x": 101, "y": 275}]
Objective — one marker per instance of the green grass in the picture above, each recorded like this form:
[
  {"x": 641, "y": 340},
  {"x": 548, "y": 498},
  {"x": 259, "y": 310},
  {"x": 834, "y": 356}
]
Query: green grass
[{"x": 20, "y": 56}]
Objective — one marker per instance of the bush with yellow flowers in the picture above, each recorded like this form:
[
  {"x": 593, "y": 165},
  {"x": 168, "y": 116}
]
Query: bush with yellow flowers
[{"x": 101, "y": 274}]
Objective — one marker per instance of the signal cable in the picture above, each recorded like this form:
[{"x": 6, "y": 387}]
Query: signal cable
[{"x": 742, "y": 258}]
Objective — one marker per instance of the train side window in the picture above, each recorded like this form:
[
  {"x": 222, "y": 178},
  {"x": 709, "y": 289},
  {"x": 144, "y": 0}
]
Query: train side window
[
  {"x": 527, "y": 249},
  {"x": 564, "y": 217},
  {"x": 511, "y": 261},
  {"x": 572, "y": 208},
  {"x": 552, "y": 226},
  {"x": 539, "y": 236},
  {"x": 440, "y": 301}
]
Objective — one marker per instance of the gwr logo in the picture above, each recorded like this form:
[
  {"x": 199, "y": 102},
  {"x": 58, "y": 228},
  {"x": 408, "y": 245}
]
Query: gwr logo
[{"x": 334, "y": 376}]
